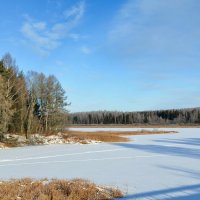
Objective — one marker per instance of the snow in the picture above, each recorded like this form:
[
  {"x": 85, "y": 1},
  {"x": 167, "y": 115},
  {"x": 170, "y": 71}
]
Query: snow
[{"x": 149, "y": 167}]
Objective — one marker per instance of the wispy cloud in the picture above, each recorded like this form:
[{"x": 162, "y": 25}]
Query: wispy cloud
[
  {"x": 164, "y": 29},
  {"x": 44, "y": 38},
  {"x": 86, "y": 50},
  {"x": 159, "y": 42},
  {"x": 76, "y": 12}
]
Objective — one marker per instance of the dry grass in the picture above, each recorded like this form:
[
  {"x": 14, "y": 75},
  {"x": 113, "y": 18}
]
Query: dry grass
[
  {"x": 107, "y": 136},
  {"x": 83, "y": 137},
  {"x": 77, "y": 189}
]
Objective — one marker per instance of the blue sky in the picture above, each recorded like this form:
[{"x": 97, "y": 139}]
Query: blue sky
[{"x": 126, "y": 55}]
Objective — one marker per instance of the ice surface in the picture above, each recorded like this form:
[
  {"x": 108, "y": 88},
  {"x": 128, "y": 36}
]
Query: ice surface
[{"x": 149, "y": 167}]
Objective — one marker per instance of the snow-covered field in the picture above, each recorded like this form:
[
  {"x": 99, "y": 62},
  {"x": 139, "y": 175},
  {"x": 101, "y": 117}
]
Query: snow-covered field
[{"x": 149, "y": 167}]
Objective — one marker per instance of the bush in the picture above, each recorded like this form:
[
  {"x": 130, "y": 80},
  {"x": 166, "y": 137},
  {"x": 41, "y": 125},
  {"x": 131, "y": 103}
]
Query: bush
[{"x": 77, "y": 189}]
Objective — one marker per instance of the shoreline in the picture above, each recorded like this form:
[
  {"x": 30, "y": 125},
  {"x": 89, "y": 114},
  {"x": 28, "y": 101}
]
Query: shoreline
[
  {"x": 75, "y": 137},
  {"x": 133, "y": 126}
]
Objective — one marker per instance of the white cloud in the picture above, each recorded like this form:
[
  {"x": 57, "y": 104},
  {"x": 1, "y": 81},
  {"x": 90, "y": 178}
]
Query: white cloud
[
  {"x": 156, "y": 27},
  {"x": 86, "y": 50},
  {"x": 59, "y": 63},
  {"x": 44, "y": 38},
  {"x": 75, "y": 12},
  {"x": 40, "y": 26}
]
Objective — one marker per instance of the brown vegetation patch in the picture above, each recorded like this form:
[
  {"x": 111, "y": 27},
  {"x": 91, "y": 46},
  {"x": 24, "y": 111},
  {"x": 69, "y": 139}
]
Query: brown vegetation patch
[
  {"x": 77, "y": 189},
  {"x": 107, "y": 136},
  {"x": 8, "y": 144}
]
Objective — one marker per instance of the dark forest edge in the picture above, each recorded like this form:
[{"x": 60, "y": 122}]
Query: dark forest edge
[{"x": 170, "y": 118}]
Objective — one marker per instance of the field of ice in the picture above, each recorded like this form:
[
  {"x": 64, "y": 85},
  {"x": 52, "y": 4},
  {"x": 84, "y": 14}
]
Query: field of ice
[{"x": 160, "y": 167}]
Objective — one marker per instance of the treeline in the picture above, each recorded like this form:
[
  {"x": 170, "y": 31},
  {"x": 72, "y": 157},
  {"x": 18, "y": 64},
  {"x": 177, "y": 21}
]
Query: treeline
[
  {"x": 176, "y": 116},
  {"x": 31, "y": 103}
]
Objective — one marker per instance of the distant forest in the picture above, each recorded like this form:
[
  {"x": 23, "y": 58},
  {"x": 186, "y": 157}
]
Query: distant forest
[{"x": 175, "y": 116}]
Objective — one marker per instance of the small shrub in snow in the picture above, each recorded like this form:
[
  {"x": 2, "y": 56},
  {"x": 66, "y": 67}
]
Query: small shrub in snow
[
  {"x": 36, "y": 139},
  {"x": 76, "y": 189}
]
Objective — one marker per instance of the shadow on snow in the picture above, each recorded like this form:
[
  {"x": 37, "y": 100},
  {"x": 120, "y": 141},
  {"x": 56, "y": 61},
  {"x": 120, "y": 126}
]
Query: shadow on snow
[
  {"x": 188, "y": 192},
  {"x": 186, "y": 141},
  {"x": 182, "y": 171},
  {"x": 167, "y": 150}
]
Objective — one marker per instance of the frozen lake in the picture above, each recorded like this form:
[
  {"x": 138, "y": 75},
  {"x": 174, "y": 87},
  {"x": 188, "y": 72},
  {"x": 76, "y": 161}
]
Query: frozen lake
[{"x": 149, "y": 167}]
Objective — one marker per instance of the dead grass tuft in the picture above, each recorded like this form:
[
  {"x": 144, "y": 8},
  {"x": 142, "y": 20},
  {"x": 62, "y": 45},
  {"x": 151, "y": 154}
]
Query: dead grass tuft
[
  {"x": 107, "y": 136},
  {"x": 77, "y": 189}
]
